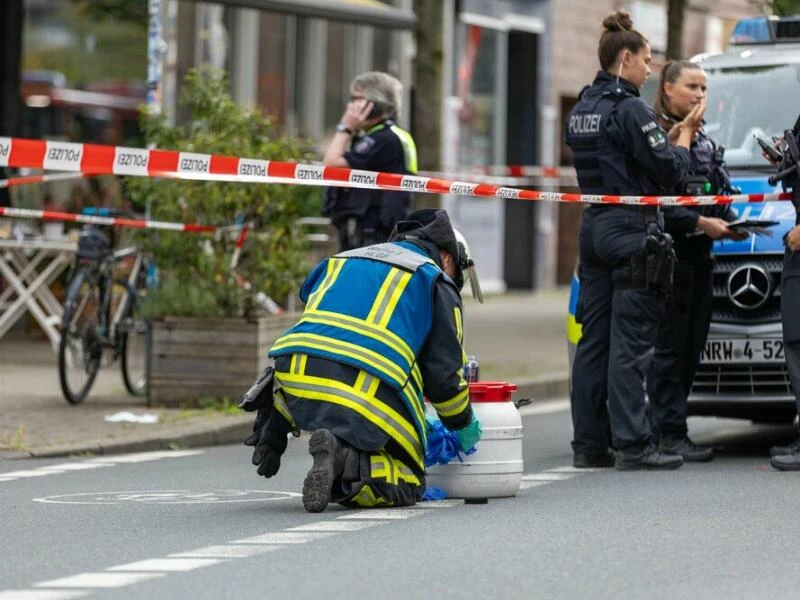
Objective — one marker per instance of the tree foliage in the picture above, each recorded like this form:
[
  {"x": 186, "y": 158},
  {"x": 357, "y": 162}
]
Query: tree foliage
[
  {"x": 195, "y": 271},
  {"x": 132, "y": 11},
  {"x": 782, "y": 8}
]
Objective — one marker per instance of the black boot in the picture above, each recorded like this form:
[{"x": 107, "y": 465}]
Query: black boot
[
  {"x": 648, "y": 457},
  {"x": 328, "y": 454},
  {"x": 593, "y": 460},
  {"x": 793, "y": 448},
  {"x": 786, "y": 462},
  {"x": 685, "y": 447}
]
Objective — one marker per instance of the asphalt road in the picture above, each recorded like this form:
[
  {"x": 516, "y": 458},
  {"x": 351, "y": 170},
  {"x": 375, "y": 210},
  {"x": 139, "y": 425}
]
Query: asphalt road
[{"x": 201, "y": 524}]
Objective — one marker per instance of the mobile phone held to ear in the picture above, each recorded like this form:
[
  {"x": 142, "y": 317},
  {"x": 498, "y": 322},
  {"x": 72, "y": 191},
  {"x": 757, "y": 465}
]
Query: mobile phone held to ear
[{"x": 377, "y": 111}]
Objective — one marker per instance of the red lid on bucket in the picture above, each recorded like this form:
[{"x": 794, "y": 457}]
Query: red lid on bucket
[{"x": 491, "y": 391}]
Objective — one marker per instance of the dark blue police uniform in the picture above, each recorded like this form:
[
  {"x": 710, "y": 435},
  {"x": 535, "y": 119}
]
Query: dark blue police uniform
[
  {"x": 681, "y": 336},
  {"x": 621, "y": 150},
  {"x": 367, "y": 216}
]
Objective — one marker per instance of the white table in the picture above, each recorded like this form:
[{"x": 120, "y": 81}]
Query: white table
[{"x": 25, "y": 266}]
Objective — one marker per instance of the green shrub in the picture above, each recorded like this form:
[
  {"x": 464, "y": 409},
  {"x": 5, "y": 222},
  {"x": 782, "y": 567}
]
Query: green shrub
[{"x": 194, "y": 269}]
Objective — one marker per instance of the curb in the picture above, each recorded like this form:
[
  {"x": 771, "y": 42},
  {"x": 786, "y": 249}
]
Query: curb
[
  {"x": 215, "y": 433},
  {"x": 197, "y": 435}
]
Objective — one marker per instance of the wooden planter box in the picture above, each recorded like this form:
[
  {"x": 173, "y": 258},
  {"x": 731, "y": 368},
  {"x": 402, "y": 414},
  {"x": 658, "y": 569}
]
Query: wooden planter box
[{"x": 194, "y": 358}]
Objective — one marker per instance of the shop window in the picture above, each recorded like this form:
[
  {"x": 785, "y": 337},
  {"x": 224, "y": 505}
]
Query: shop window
[{"x": 272, "y": 76}]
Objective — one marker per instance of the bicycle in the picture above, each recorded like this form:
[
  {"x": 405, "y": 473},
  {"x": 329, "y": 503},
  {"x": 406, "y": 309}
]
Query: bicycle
[{"x": 101, "y": 312}]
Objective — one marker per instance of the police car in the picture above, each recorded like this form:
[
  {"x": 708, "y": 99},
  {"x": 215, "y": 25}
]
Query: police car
[{"x": 753, "y": 90}]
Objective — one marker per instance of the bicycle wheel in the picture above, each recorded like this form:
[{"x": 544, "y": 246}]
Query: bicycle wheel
[
  {"x": 80, "y": 348},
  {"x": 132, "y": 339}
]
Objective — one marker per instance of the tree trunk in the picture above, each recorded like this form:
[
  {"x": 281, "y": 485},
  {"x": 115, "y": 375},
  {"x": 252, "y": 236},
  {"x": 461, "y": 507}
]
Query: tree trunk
[
  {"x": 675, "y": 29},
  {"x": 427, "y": 90},
  {"x": 10, "y": 58}
]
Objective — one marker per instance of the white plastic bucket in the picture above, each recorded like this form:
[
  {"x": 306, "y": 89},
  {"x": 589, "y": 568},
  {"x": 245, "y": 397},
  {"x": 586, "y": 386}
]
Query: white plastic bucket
[{"x": 495, "y": 469}]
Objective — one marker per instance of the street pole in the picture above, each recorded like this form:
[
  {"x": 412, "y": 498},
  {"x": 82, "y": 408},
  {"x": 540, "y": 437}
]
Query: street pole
[{"x": 155, "y": 54}]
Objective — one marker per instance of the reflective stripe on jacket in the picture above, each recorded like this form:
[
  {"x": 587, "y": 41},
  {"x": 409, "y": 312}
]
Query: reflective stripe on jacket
[{"x": 370, "y": 308}]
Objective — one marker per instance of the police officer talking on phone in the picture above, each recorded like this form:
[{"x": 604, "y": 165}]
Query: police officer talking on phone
[
  {"x": 626, "y": 259},
  {"x": 368, "y": 138}
]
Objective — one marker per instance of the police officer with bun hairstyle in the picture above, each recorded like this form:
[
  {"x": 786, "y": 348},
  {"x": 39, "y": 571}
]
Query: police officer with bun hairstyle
[
  {"x": 368, "y": 138},
  {"x": 682, "y": 334},
  {"x": 625, "y": 257}
]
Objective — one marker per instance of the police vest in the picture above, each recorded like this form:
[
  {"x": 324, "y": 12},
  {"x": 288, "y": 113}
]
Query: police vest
[
  {"x": 585, "y": 135},
  {"x": 705, "y": 162},
  {"x": 406, "y": 141},
  {"x": 370, "y": 308}
]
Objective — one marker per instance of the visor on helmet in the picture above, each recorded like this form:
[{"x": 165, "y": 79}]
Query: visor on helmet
[{"x": 466, "y": 266}]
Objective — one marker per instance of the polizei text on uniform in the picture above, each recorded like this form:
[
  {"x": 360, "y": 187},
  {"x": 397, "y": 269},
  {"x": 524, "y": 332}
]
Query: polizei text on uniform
[{"x": 585, "y": 123}]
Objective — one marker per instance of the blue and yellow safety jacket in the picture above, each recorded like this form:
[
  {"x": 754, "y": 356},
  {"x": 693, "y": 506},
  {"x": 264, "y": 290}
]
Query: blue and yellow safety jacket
[{"x": 373, "y": 309}]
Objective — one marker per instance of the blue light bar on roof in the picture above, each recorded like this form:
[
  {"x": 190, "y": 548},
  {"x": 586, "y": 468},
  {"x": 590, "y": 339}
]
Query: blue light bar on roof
[{"x": 757, "y": 30}]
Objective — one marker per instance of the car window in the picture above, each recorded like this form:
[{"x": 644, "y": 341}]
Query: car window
[{"x": 743, "y": 102}]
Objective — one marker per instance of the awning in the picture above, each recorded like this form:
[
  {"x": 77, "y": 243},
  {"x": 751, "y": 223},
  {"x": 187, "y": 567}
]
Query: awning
[{"x": 361, "y": 12}]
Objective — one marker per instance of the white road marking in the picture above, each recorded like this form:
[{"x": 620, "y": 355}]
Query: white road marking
[
  {"x": 79, "y": 466},
  {"x": 145, "y": 456},
  {"x": 143, "y": 570},
  {"x": 168, "y": 564},
  {"x": 545, "y": 408},
  {"x": 99, "y": 580},
  {"x": 284, "y": 537},
  {"x": 530, "y": 484},
  {"x": 385, "y": 513},
  {"x": 570, "y": 469},
  {"x": 547, "y": 476},
  {"x": 28, "y": 473},
  {"x": 446, "y": 503},
  {"x": 41, "y": 594},
  {"x": 168, "y": 497},
  {"x": 227, "y": 551},
  {"x": 335, "y": 526},
  {"x": 95, "y": 463}
]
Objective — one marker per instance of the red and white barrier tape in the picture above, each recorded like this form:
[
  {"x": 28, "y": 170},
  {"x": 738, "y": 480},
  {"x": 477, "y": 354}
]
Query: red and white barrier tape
[
  {"x": 518, "y": 171},
  {"x": 237, "y": 250},
  {"x": 566, "y": 179},
  {"x": 51, "y": 215},
  {"x": 94, "y": 159},
  {"x": 15, "y": 181}
]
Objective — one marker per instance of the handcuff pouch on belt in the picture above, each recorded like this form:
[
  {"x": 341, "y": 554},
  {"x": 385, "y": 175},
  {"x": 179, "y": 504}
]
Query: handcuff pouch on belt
[{"x": 652, "y": 268}]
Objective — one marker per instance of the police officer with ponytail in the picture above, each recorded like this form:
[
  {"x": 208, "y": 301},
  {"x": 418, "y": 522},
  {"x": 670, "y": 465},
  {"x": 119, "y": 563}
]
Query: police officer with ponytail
[
  {"x": 626, "y": 259},
  {"x": 682, "y": 335},
  {"x": 369, "y": 138}
]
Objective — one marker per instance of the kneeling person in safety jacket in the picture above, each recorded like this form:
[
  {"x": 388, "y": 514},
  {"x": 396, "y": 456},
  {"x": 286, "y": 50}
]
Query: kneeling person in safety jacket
[{"x": 381, "y": 327}]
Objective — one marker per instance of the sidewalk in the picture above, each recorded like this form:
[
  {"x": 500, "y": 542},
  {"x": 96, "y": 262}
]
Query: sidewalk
[{"x": 516, "y": 337}]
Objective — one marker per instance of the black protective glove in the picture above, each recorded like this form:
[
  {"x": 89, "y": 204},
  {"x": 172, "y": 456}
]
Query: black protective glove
[{"x": 269, "y": 428}]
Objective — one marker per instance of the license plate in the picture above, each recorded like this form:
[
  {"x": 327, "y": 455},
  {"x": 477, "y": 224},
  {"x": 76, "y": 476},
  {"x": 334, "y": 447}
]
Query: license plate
[{"x": 742, "y": 351}]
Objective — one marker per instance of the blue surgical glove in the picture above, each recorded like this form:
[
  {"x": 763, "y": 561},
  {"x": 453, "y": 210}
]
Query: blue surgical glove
[
  {"x": 430, "y": 422},
  {"x": 469, "y": 435}
]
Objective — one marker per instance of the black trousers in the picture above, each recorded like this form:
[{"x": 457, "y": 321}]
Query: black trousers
[
  {"x": 619, "y": 329},
  {"x": 681, "y": 337},
  {"x": 790, "y": 318}
]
